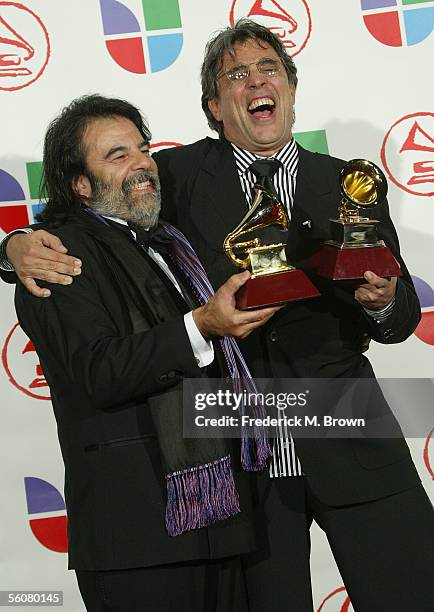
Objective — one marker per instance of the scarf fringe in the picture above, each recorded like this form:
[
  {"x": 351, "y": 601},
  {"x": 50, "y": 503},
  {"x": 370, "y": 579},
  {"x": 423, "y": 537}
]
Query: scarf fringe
[
  {"x": 255, "y": 452},
  {"x": 200, "y": 496}
]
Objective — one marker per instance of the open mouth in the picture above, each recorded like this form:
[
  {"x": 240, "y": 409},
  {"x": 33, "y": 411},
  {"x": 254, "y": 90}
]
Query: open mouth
[
  {"x": 261, "y": 108},
  {"x": 141, "y": 184}
]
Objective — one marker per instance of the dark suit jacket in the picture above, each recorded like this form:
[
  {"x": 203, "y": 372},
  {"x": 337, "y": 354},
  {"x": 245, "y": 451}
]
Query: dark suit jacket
[
  {"x": 320, "y": 337},
  {"x": 112, "y": 345}
]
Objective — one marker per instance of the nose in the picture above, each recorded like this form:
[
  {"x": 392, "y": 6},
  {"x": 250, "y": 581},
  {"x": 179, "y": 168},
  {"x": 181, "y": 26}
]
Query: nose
[
  {"x": 141, "y": 161},
  {"x": 255, "y": 78}
]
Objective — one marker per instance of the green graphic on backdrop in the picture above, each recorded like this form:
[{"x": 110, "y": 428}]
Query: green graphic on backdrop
[{"x": 315, "y": 141}]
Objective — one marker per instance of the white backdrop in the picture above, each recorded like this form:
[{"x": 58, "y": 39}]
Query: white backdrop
[{"x": 365, "y": 84}]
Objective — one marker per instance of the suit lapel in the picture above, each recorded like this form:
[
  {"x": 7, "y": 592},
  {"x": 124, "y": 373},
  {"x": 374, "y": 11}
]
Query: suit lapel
[
  {"x": 144, "y": 274},
  {"x": 218, "y": 202},
  {"x": 312, "y": 200},
  {"x": 315, "y": 202}
]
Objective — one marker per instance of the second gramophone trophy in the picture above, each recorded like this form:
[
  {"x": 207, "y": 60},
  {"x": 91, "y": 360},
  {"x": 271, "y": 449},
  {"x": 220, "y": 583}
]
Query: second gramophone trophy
[
  {"x": 273, "y": 281},
  {"x": 354, "y": 247}
]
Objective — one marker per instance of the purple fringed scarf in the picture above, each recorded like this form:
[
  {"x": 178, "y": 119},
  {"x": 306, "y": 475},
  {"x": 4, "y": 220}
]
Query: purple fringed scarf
[{"x": 201, "y": 495}]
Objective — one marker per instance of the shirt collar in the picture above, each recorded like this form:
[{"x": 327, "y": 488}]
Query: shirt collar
[
  {"x": 287, "y": 155},
  {"x": 122, "y": 222},
  {"x": 115, "y": 219}
]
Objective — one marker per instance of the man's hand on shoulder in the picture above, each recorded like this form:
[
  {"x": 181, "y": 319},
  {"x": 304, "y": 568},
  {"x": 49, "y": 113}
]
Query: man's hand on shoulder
[
  {"x": 220, "y": 317},
  {"x": 41, "y": 256},
  {"x": 377, "y": 293}
]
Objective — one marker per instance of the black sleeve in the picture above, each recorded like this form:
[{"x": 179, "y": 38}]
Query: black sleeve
[
  {"x": 11, "y": 277},
  {"x": 81, "y": 346},
  {"x": 8, "y": 277},
  {"x": 405, "y": 315}
]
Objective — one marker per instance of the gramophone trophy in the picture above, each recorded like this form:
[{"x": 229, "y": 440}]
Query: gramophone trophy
[
  {"x": 354, "y": 247},
  {"x": 273, "y": 280}
]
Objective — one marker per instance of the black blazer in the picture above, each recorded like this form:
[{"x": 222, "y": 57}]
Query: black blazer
[
  {"x": 109, "y": 345},
  {"x": 321, "y": 337}
]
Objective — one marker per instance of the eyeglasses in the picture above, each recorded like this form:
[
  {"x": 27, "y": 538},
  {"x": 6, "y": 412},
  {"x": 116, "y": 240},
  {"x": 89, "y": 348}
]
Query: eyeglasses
[{"x": 265, "y": 66}]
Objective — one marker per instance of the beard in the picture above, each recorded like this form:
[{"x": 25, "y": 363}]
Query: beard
[{"x": 141, "y": 209}]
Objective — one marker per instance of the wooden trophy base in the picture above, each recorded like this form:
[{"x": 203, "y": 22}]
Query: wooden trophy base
[
  {"x": 274, "y": 289},
  {"x": 338, "y": 263}
]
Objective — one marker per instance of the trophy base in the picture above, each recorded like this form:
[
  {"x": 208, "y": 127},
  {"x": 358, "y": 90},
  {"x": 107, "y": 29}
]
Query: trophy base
[
  {"x": 337, "y": 263},
  {"x": 275, "y": 289}
]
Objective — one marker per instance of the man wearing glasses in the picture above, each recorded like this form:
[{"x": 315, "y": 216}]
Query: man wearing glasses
[{"x": 365, "y": 494}]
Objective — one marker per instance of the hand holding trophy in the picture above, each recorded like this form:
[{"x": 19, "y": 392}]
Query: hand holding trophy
[
  {"x": 354, "y": 247},
  {"x": 262, "y": 250}
]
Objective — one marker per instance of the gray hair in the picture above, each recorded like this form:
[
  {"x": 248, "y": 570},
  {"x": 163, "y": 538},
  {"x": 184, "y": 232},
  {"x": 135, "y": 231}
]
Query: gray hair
[{"x": 225, "y": 40}]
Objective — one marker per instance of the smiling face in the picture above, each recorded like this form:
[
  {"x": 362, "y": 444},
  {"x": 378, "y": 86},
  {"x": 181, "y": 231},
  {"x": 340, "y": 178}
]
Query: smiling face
[
  {"x": 257, "y": 112},
  {"x": 122, "y": 180}
]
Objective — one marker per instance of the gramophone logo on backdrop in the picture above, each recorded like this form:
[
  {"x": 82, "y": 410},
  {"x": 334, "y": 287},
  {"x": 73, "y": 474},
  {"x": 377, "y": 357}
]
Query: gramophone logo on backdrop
[
  {"x": 124, "y": 36},
  {"x": 398, "y": 23},
  {"x": 425, "y": 330},
  {"x": 21, "y": 364},
  {"x": 336, "y": 601},
  {"x": 47, "y": 517},
  {"x": 24, "y": 46},
  {"x": 408, "y": 153},
  {"x": 289, "y": 19}
]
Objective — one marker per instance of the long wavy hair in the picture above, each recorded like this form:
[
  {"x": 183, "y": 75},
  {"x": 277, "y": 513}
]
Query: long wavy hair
[{"x": 65, "y": 155}]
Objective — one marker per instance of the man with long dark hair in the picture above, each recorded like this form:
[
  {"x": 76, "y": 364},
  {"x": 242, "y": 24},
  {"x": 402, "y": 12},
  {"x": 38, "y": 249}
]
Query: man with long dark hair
[{"x": 155, "y": 522}]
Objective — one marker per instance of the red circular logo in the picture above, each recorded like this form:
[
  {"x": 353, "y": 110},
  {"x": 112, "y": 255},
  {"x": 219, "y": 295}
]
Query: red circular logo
[
  {"x": 336, "y": 601},
  {"x": 22, "y": 366},
  {"x": 426, "y": 453},
  {"x": 407, "y": 153},
  {"x": 25, "y": 46},
  {"x": 289, "y": 20}
]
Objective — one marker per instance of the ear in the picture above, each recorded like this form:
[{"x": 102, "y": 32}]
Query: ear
[
  {"x": 292, "y": 89},
  {"x": 82, "y": 187},
  {"x": 214, "y": 107}
]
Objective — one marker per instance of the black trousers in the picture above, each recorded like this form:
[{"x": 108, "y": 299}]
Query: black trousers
[
  {"x": 384, "y": 549},
  {"x": 204, "y": 586}
]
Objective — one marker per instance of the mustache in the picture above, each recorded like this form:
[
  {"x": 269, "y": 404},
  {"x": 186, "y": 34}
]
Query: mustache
[{"x": 130, "y": 182}]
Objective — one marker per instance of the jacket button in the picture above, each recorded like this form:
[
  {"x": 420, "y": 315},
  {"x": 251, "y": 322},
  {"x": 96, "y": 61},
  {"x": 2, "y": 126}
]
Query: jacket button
[{"x": 273, "y": 335}]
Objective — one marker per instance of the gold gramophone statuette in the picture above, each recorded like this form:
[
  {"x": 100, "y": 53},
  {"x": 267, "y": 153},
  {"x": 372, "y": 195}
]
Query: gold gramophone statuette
[
  {"x": 354, "y": 246},
  {"x": 253, "y": 245},
  {"x": 266, "y": 211},
  {"x": 363, "y": 186}
]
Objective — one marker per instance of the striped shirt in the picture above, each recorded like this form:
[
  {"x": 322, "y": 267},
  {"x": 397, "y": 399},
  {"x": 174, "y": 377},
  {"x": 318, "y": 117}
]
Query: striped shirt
[
  {"x": 284, "y": 461},
  {"x": 284, "y": 179}
]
